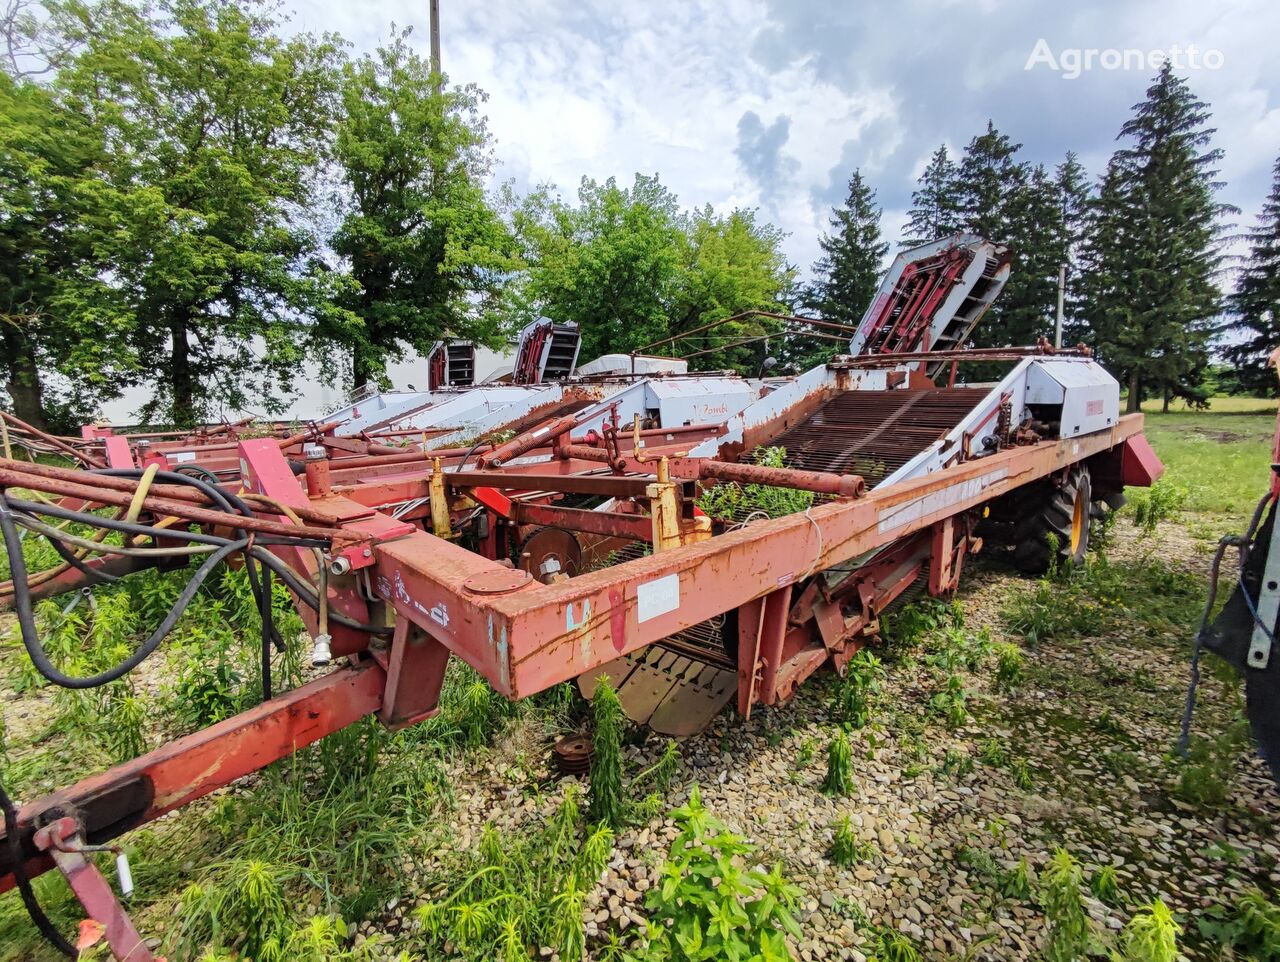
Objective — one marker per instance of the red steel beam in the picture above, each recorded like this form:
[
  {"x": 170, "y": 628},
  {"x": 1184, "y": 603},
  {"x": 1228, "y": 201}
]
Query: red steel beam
[
  {"x": 191, "y": 767},
  {"x": 527, "y": 637}
]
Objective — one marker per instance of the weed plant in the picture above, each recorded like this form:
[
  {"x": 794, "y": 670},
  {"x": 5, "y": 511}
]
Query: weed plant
[
  {"x": 738, "y": 502},
  {"x": 519, "y": 891},
  {"x": 856, "y": 693},
  {"x": 708, "y": 905},
  {"x": 846, "y": 848},
  {"x": 839, "y": 777},
  {"x": 606, "y": 799}
]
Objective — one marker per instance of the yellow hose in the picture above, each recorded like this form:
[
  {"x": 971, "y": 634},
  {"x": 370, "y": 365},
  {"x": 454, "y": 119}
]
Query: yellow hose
[{"x": 140, "y": 495}]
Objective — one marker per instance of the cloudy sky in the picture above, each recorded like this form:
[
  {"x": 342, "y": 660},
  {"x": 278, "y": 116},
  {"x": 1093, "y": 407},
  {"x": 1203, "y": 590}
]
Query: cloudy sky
[{"x": 772, "y": 103}]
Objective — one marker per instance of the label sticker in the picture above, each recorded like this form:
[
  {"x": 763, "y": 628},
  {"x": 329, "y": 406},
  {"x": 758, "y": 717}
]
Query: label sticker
[
  {"x": 182, "y": 456},
  {"x": 655, "y": 598}
]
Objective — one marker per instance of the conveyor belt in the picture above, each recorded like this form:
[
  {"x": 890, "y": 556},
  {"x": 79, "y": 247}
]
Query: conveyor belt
[{"x": 873, "y": 433}]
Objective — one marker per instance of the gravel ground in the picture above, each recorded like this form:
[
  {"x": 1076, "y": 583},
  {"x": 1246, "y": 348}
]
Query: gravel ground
[
  {"x": 1094, "y": 722},
  {"x": 930, "y": 829}
]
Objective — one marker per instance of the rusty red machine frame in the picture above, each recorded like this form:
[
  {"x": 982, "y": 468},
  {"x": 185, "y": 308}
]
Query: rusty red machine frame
[{"x": 901, "y": 474}]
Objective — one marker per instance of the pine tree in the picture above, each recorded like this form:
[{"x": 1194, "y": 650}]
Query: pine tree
[
  {"x": 849, "y": 270},
  {"x": 1155, "y": 247},
  {"x": 1255, "y": 304},
  {"x": 935, "y": 206}
]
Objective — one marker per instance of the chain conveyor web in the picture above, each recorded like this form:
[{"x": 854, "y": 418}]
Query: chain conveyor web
[{"x": 873, "y": 433}]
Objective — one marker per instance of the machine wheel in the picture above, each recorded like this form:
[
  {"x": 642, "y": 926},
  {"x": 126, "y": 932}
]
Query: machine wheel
[
  {"x": 1064, "y": 512},
  {"x": 551, "y": 551}
]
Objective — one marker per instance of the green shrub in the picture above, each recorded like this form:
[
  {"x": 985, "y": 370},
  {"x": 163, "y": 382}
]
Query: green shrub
[
  {"x": 1018, "y": 882},
  {"x": 707, "y": 906},
  {"x": 1251, "y": 926},
  {"x": 893, "y": 946},
  {"x": 1151, "y": 935},
  {"x": 952, "y": 702},
  {"x": 1104, "y": 885},
  {"x": 1071, "y": 935},
  {"x": 519, "y": 891},
  {"x": 730, "y": 500},
  {"x": 1009, "y": 667},
  {"x": 1158, "y": 503}
]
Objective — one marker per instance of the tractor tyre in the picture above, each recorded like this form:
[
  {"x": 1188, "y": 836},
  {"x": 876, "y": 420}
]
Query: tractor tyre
[{"x": 1058, "y": 515}]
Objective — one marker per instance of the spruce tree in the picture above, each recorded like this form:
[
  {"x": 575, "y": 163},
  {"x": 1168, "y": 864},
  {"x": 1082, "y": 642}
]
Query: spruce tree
[
  {"x": 1072, "y": 182},
  {"x": 996, "y": 201},
  {"x": 990, "y": 177},
  {"x": 848, "y": 272},
  {"x": 935, "y": 206},
  {"x": 1155, "y": 247},
  {"x": 1255, "y": 305},
  {"x": 1036, "y": 231}
]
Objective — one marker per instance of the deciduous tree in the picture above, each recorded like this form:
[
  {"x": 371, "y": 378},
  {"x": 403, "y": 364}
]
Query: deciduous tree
[
  {"x": 215, "y": 125},
  {"x": 424, "y": 245}
]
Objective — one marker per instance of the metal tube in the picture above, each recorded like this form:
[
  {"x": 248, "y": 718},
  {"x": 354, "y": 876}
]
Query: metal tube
[
  {"x": 821, "y": 482},
  {"x": 544, "y": 433},
  {"x": 167, "y": 506}
]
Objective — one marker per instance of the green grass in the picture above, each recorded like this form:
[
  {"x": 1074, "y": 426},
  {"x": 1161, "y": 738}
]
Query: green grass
[{"x": 1220, "y": 457}]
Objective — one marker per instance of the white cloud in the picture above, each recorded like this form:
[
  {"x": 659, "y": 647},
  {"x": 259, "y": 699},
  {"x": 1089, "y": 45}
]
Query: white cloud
[{"x": 603, "y": 89}]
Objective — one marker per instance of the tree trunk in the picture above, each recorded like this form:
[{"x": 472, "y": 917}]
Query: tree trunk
[
  {"x": 365, "y": 370},
  {"x": 1135, "y": 394},
  {"x": 181, "y": 378},
  {"x": 24, "y": 387},
  {"x": 1165, "y": 408}
]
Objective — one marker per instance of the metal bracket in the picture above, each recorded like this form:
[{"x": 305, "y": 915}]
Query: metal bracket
[{"x": 1267, "y": 609}]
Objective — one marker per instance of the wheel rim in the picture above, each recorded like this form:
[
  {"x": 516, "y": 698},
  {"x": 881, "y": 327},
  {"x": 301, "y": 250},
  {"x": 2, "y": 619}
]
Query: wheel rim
[{"x": 1079, "y": 518}]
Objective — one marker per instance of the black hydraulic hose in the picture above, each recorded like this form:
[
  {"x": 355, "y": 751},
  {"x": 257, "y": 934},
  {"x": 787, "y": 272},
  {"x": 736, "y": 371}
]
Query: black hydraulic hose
[
  {"x": 71, "y": 558},
  {"x": 38, "y": 916},
  {"x": 229, "y": 502},
  {"x": 27, "y": 623},
  {"x": 114, "y": 524},
  {"x": 290, "y": 577},
  {"x": 308, "y": 593}
]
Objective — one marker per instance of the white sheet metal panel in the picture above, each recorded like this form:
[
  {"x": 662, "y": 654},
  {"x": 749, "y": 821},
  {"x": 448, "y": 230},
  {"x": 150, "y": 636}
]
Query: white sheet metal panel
[
  {"x": 698, "y": 400},
  {"x": 1090, "y": 397}
]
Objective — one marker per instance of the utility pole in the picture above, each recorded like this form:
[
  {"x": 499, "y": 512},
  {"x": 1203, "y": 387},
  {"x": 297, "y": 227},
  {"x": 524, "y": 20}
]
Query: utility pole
[
  {"x": 435, "y": 36},
  {"x": 1062, "y": 296}
]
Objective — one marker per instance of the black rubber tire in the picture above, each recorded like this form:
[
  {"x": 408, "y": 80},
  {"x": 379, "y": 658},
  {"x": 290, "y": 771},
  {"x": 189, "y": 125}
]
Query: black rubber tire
[{"x": 1057, "y": 510}]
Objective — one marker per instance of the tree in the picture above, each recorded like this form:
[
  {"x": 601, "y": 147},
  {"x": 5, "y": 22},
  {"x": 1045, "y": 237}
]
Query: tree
[
  {"x": 735, "y": 264},
  {"x": 1037, "y": 233},
  {"x": 1155, "y": 246},
  {"x": 612, "y": 263},
  {"x": 935, "y": 203},
  {"x": 216, "y": 126},
  {"x": 988, "y": 180},
  {"x": 59, "y": 339},
  {"x": 848, "y": 272},
  {"x": 425, "y": 247},
  {"x": 631, "y": 268},
  {"x": 1072, "y": 184},
  {"x": 1255, "y": 304}
]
